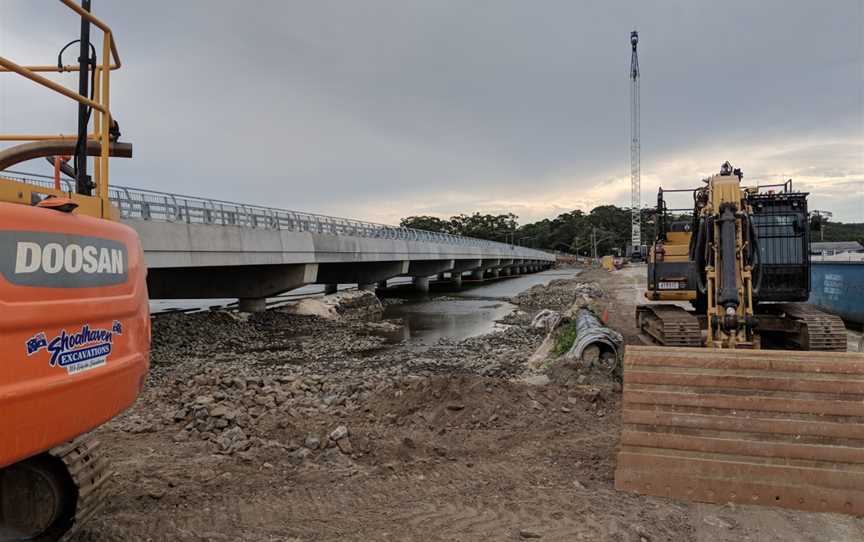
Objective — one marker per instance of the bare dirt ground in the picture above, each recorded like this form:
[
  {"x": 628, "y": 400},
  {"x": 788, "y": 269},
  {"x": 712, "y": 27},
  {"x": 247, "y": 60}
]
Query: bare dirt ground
[{"x": 280, "y": 427}]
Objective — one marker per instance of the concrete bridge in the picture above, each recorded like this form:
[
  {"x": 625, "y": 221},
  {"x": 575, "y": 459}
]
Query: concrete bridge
[{"x": 202, "y": 248}]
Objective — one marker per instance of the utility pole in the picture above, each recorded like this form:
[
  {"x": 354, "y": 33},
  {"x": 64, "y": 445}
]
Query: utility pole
[
  {"x": 823, "y": 221},
  {"x": 635, "y": 178},
  {"x": 594, "y": 241}
]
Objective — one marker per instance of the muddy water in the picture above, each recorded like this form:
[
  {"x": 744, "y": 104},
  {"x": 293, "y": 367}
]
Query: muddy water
[
  {"x": 433, "y": 319},
  {"x": 471, "y": 312}
]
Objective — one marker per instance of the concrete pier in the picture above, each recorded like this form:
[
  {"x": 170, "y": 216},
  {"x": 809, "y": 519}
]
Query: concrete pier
[{"x": 421, "y": 284}]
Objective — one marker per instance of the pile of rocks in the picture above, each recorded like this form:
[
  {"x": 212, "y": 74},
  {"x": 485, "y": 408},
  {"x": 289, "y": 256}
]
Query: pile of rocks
[
  {"x": 225, "y": 410},
  {"x": 585, "y": 294},
  {"x": 558, "y": 295},
  {"x": 338, "y": 438},
  {"x": 237, "y": 412},
  {"x": 498, "y": 354}
]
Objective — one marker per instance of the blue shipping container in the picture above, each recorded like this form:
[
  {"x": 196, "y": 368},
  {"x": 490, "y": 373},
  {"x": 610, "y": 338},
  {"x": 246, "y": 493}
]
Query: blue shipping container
[{"x": 838, "y": 288}]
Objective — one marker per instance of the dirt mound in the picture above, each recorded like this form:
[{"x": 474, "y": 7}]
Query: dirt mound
[{"x": 559, "y": 295}]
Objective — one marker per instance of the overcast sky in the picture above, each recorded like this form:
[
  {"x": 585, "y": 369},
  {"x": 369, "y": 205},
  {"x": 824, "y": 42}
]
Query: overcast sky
[{"x": 381, "y": 109}]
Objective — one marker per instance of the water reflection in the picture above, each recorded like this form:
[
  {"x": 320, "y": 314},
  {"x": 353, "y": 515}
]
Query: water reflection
[{"x": 430, "y": 320}]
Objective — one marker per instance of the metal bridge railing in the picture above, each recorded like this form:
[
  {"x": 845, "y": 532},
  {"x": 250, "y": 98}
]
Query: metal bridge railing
[{"x": 163, "y": 206}]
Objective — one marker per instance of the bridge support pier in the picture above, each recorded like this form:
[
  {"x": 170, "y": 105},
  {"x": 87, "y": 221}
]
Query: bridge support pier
[
  {"x": 456, "y": 279},
  {"x": 493, "y": 273},
  {"x": 421, "y": 284},
  {"x": 477, "y": 274},
  {"x": 330, "y": 288},
  {"x": 252, "y": 304}
]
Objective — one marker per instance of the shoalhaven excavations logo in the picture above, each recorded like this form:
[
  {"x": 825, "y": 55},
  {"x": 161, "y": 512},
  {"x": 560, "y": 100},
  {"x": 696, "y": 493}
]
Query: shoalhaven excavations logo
[{"x": 78, "y": 351}]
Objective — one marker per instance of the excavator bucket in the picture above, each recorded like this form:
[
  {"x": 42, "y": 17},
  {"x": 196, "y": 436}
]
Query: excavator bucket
[{"x": 770, "y": 427}]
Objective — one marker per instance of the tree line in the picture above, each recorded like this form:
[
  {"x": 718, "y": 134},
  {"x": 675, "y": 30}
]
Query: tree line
[
  {"x": 576, "y": 232},
  {"x": 573, "y": 232}
]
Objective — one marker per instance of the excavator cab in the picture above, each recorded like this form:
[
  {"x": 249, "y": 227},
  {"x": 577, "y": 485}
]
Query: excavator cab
[
  {"x": 671, "y": 271},
  {"x": 73, "y": 305}
]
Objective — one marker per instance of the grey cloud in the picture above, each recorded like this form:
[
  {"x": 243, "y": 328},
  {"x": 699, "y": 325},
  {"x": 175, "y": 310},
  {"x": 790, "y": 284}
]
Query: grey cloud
[{"x": 379, "y": 106}]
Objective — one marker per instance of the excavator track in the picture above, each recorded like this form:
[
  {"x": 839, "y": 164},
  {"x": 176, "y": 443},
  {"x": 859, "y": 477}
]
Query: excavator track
[
  {"x": 669, "y": 325},
  {"x": 49, "y": 496},
  {"x": 818, "y": 330},
  {"x": 89, "y": 472}
]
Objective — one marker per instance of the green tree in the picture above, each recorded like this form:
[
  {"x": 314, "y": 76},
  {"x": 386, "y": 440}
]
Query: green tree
[
  {"x": 423, "y": 222},
  {"x": 492, "y": 227},
  {"x": 840, "y": 231}
]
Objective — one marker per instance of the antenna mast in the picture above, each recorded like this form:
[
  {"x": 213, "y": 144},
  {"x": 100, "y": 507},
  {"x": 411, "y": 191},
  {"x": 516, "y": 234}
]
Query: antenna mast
[{"x": 635, "y": 180}]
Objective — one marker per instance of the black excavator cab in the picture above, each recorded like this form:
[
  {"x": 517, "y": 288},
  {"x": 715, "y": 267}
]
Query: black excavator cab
[{"x": 782, "y": 241}]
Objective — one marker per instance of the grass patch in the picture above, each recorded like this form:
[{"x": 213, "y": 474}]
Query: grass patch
[{"x": 565, "y": 340}]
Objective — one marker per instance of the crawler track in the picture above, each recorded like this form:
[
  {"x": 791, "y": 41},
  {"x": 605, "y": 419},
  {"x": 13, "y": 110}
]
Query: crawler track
[
  {"x": 818, "y": 331},
  {"x": 669, "y": 325},
  {"x": 89, "y": 473}
]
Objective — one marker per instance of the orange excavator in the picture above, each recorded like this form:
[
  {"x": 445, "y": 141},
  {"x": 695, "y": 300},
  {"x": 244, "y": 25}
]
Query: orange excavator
[{"x": 73, "y": 305}]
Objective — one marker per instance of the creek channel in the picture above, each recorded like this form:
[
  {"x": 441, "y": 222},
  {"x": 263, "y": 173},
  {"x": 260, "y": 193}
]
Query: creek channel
[{"x": 444, "y": 313}]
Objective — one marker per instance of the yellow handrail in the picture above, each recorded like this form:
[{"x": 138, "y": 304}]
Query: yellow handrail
[
  {"x": 100, "y": 104},
  {"x": 56, "y": 87}
]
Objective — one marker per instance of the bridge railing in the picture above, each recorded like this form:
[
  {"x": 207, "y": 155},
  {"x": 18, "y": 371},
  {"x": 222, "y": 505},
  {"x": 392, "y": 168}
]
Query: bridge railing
[{"x": 164, "y": 206}]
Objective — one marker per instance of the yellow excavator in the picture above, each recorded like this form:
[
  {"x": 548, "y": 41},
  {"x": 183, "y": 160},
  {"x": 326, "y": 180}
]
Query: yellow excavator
[{"x": 745, "y": 393}]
